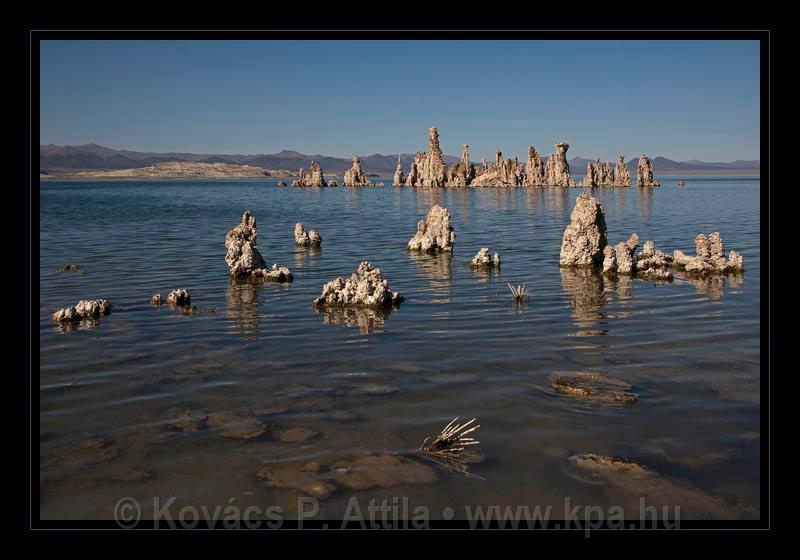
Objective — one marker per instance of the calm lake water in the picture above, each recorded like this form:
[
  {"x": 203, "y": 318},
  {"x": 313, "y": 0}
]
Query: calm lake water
[{"x": 367, "y": 383}]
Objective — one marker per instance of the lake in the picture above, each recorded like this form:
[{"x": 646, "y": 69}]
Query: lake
[{"x": 149, "y": 402}]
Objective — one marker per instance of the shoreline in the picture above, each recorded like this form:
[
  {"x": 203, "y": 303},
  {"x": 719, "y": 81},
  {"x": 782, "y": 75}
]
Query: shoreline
[{"x": 57, "y": 178}]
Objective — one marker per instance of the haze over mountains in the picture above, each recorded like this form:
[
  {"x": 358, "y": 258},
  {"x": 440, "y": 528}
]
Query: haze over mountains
[{"x": 87, "y": 157}]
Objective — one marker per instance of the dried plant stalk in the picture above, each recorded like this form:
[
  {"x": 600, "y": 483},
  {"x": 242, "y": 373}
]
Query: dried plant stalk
[
  {"x": 452, "y": 440},
  {"x": 519, "y": 293}
]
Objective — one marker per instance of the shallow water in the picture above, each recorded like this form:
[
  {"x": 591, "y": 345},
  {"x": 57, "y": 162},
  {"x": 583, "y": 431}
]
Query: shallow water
[{"x": 369, "y": 383}]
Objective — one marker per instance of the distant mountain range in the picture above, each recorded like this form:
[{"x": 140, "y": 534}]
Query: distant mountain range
[
  {"x": 88, "y": 157},
  {"x": 664, "y": 166}
]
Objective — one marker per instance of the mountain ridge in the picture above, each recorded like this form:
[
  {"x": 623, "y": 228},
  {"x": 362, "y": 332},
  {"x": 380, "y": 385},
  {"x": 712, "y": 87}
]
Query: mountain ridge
[{"x": 91, "y": 156}]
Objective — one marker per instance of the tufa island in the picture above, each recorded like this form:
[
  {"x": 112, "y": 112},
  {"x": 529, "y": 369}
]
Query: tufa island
[{"x": 428, "y": 169}]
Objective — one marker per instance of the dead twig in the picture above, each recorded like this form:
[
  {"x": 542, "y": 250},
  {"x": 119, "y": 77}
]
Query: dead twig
[
  {"x": 452, "y": 440},
  {"x": 519, "y": 293}
]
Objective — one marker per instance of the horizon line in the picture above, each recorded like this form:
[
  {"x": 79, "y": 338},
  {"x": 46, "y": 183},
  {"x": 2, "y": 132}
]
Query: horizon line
[{"x": 346, "y": 157}]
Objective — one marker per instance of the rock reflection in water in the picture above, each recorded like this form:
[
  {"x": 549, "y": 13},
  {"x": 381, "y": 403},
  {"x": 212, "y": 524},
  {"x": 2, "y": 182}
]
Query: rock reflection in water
[
  {"x": 557, "y": 198},
  {"x": 619, "y": 284},
  {"x": 428, "y": 197},
  {"x": 83, "y": 324},
  {"x": 437, "y": 268},
  {"x": 714, "y": 286},
  {"x": 645, "y": 201},
  {"x": 586, "y": 298},
  {"x": 243, "y": 299},
  {"x": 304, "y": 255},
  {"x": 367, "y": 320},
  {"x": 484, "y": 274}
]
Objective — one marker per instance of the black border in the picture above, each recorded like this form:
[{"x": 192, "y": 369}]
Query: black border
[{"x": 34, "y": 35}]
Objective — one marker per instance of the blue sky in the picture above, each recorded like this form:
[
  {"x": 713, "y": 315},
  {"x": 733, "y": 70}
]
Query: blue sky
[{"x": 678, "y": 99}]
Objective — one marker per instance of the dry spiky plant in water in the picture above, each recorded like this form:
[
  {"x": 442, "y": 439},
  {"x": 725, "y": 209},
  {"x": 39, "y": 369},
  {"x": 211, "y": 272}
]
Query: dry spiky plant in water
[
  {"x": 452, "y": 440},
  {"x": 519, "y": 293}
]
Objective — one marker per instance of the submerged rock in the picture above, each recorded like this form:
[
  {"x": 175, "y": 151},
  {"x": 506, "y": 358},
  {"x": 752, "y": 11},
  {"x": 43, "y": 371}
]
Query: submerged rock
[
  {"x": 484, "y": 260},
  {"x": 193, "y": 310},
  {"x": 366, "y": 287},
  {"x": 155, "y": 300},
  {"x": 296, "y": 434},
  {"x": 383, "y": 470},
  {"x": 83, "y": 310},
  {"x": 710, "y": 257},
  {"x": 355, "y": 176},
  {"x": 69, "y": 268},
  {"x": 88, "y": 452},
  {"x": 298, "y": 475},
  {"x": 585, "y": 237},
  {"x": 305, "y": 238},
  {"x": 623, "y": 477},
  {"x": 644, "y": 173},
  {"x": 236, "y": 426},
  {"x": 179, "y": 297},
  {"x": 281, "y": 183},
  {"x": 179, "y": 419},
  {"x": 593, "y": 388},
  {"x": 434, "y": 233}
]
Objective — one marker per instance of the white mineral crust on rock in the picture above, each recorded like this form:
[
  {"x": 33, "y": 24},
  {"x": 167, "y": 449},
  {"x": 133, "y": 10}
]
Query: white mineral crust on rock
[
  {"x": 585, "y": 237},
  {"x": 653, "y": 264},
  {"x": 590, "y": 180},
  {"x": 622, "y": 178},
  {"x": 504, "y": 173},
  {"x": 434, "y": 233},
  {"x": 317, "y": 178},
  {"x": 305, "y": 238},
  {"x": 355, "y": 176},
  {"x": 644, "y": 173},
  {"x": 557, "y": 167},
  {"x": 710, "y": 257},
  {"x": 243, "y": 257},
  {"x": 366, "y": 287},
  {"x": 534, "y": 170},
  {"x": 413, "y": 173},
  {"x": 242, "y": 254},
  {"x": 483, "y": 259},
  {"x": 276, "y": 273},
  {"x": 399, "y": 178},
  {"x": 619, "y": 258},
  {"x": 179, "y": 297},
  {"x": 84, "y": 309},
  {"x": 432, "y": 170},
  {"x": 461, "y": 174}
]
